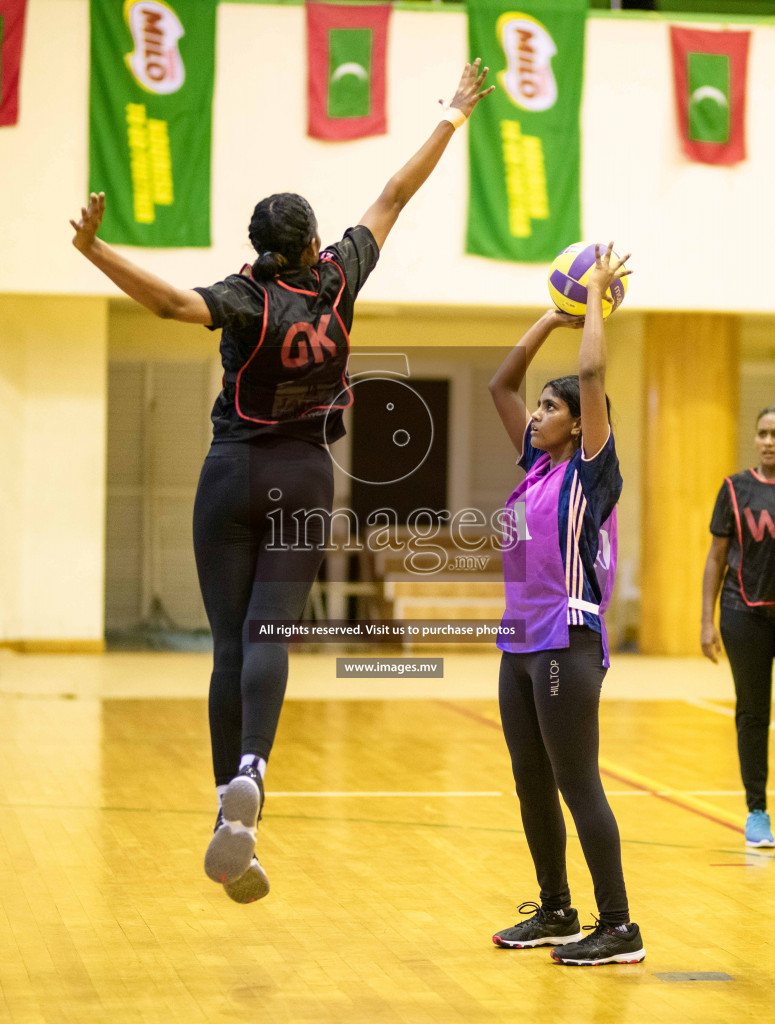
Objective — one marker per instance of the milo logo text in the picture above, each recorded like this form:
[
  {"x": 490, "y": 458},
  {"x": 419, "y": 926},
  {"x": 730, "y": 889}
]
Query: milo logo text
[
  {"x": 528, "y": 79},
  {"x": 155, "y": 63}
]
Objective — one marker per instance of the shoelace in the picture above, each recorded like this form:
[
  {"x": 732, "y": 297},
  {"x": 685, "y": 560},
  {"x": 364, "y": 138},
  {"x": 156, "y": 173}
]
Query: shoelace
[
  {"x": 534, "y": 909},
  {"x": 528, "y": 907},
  {"x": 598, "y": 927}
]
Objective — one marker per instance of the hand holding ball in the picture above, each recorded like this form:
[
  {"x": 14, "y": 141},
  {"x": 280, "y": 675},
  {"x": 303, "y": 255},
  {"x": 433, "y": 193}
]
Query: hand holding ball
[{"x": 568, "y": 276}]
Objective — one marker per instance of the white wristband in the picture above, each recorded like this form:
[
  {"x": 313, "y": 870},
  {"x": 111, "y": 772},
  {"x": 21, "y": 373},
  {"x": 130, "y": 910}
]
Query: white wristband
[{"x": 455, "y": 117}]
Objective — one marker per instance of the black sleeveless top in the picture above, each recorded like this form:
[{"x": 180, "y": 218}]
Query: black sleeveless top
[
  {"x": 745, "y": 512},
  {"x": 285, "y": 345}
]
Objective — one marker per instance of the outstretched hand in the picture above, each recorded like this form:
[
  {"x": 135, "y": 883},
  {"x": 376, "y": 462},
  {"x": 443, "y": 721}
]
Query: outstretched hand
[
  {"x": 561, "y": 319},
  {"x": 91, "y": 218},
  {"x": 605, "y": 272},
  {"x": 470, "y": 91}
]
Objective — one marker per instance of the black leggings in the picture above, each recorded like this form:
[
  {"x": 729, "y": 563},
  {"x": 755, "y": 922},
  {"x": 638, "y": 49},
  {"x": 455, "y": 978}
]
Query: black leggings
[
  {"x": 749, "y": 640},
  {"x": 549, "y": 708},
  {"x": 244, "y": 509}
]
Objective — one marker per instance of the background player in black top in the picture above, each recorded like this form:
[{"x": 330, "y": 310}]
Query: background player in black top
[
  {"x": 742, "y": 553},
  {"x": 285, "y": 325}
]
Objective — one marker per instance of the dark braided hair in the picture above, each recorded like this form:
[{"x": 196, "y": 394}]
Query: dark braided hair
[
  {"x": 567, "y": 388},
  {"x": 281, "y": 228}
]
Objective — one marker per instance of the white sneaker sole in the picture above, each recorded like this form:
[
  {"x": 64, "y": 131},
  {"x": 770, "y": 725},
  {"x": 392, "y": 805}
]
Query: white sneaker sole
[
  {"x": 762, "y": 843},
  {"x": 618, "y": 958},
  {"x": 252, "y": 886},
  {"x": 231, "y": 849},
  {"x": 548, "y": 940}
]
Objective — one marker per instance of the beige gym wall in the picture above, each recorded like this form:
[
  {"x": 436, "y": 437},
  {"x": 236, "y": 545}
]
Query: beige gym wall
[
  {"x": 681, "y": 220},
  {"x": 53, "y": 367}
]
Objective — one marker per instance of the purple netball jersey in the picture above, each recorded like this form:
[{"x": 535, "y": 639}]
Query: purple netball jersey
[{"x": 559, "y": 549}]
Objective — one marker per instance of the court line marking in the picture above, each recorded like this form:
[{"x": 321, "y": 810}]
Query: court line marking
[
  {"x": 765, "y": 853},
  {"x": 706, "y": 705},
  {"x": 27, "y": 805},
  {"x": 673, "y": 796},
  {"x": 630, "y": 778},
  {"x": 336, "y": 794},
  {"x": 382, "y": 793}
]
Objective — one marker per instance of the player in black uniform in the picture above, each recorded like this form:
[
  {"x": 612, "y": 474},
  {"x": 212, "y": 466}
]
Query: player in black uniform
[
  {"x": 742, "y": 552},
  {"x": 285, "y": 325}
]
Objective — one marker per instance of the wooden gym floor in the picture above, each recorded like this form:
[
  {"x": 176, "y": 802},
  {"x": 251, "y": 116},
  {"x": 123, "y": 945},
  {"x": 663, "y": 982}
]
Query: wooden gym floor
[{"x": 393, "y": 843}]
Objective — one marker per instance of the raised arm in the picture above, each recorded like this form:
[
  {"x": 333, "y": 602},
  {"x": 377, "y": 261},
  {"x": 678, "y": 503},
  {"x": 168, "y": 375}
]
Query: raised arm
[
  {"x": 506, "y": 387},
  {"x": 382, "y": 215},
  {"x": 150, "y": 291},
  {"x": 592, "y": 354}
]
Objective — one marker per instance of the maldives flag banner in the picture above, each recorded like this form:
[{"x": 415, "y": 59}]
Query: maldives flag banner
[
  {"x": 709, "y": 72},
  {"x": 524, "y": 142},
  {"x": 11, "y": 35},
  {"x": 150, "y": 115},
  {"x": 346, "y": 49}
]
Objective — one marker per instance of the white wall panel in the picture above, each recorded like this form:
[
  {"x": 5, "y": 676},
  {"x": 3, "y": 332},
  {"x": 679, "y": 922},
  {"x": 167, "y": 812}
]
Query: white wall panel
[{"x": 698, "y": 234}]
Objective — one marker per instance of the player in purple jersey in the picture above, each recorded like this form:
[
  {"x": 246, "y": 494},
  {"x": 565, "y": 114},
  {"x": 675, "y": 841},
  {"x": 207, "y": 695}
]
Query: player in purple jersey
[
  {"x": 285, "y": 326},
  {"x": 559, "y": 557},
  {"x": 742, "y": 555}
]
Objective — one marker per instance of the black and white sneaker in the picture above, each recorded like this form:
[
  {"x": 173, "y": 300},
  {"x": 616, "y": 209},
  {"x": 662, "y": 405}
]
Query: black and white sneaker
[
  {"x": 544, "y": 928},
  {"x": 230, "y": 853},
  {"x": 604, "y": 945}
]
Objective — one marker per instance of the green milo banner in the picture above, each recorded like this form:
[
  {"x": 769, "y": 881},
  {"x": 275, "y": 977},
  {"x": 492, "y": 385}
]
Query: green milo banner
[
  {"x": 150, "y": 112},
  {"x": 524, "y": 140}
]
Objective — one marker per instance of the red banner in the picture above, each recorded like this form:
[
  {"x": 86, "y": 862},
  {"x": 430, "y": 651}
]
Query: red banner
[
  {"x": 346, "y": 48},
  {"x": 709, "y": 70},
  {"x": 11, "y": 35}
]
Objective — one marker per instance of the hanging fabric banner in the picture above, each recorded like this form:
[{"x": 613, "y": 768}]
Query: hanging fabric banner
[
  {"x": 11, "y": 36},
  {"x": 709, "y": 72},
  {"x": 150, "y": 114},
  {"x": 346, "y": 49},
  {"x": 524, "y": 142}
]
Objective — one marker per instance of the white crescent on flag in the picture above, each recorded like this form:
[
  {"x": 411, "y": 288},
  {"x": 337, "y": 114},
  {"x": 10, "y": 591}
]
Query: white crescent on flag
[
  {"x": 351, "y": 68},
  {"x": 709, "y": 92}
]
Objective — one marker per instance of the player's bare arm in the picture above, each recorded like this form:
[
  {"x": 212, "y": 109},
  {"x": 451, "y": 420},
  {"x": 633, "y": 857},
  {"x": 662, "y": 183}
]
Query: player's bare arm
[
  {"x": 507, "y": 385},
  {"x": 382, "y": 215},
  {"x": 156, "y": 294},
  {"x": 592, "y": 354}
]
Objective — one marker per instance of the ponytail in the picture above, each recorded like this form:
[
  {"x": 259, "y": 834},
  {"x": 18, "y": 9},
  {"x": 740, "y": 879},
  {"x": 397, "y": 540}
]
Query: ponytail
[
  {"x": 281, "y": 228},
  {"x": 269, "y": 265}
]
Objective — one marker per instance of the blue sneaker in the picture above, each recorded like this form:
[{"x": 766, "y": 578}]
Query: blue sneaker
[{"x": 757, "y": 829}]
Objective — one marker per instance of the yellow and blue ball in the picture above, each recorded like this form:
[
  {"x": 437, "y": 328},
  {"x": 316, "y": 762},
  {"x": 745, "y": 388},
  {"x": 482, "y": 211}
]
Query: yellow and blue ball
[{"x": 568, "y": 276}]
